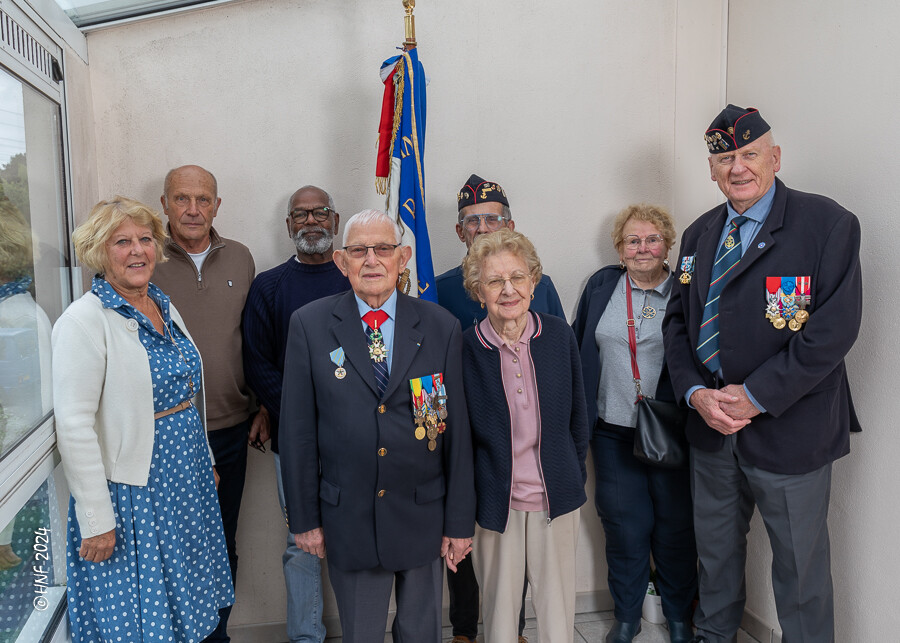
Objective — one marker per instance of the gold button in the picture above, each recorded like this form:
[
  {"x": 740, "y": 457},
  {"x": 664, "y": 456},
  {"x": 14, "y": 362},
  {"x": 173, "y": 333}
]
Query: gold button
[
  {"x": 520, "y": 390},
  {"x": 518, "y": 375},
  {"x": 381, "y": 493},
  {"x": 517, "y": 349},
  {"x": 515, "y": 361},
  {"x": 382, "y": 451},
  {"x": 381, "y": 408}
]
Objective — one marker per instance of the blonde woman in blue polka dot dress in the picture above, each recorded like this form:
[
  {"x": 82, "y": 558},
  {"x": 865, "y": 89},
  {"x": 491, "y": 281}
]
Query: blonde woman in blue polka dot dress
[{"x": 146, "y": 556}]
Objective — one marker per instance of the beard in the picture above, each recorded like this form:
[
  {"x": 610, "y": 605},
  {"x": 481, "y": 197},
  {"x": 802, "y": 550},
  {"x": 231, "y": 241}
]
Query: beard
[{"x": 309, "y": 247}]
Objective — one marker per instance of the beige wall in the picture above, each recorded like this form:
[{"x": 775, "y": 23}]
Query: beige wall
[
  {"x": 825, "y": 75},
  {"x": 577, "y": 108}
]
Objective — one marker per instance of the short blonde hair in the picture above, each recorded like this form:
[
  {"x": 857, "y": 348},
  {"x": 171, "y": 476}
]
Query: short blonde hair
[
  {"x": 503, "y": 240},
  {"x": 105, "y": 218},
  {"x": 654, "y": 214}
]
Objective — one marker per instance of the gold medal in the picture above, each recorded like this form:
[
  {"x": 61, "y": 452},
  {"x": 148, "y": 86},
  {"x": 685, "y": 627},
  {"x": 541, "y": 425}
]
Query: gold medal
[
  {"x": 420, "y": 433},
  {"x": 794, "y": 325},
  {"x": 432, "y": 432},
  {"x": 685, "y": 278},
  {"x": 340, "y": 373},
  {"x": 432, "y": 445},
  {"x": 801, "y": 316},
  {"x": 779, "y": 323}
]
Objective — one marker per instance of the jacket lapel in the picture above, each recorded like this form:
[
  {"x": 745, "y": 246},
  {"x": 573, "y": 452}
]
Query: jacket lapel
[
  {"x": 347, "y": 328},
  {"x": 407, "y": 342},
  {"x": 707, "y": 247}
]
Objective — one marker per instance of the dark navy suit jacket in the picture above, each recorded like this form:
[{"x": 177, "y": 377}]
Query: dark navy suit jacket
[
  {"x": 798, "y": 377},
  {"x": 350, "y": 460}
]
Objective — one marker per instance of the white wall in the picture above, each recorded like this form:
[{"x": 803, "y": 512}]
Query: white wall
[
  {"x": 825, "y": 75},
  {"x": 577, "y": 108}
]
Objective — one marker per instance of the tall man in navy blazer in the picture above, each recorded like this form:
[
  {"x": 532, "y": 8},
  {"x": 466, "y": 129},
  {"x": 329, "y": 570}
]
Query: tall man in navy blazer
[
  {"x": 361, "y": 483},
  {"x": 765, "y": 377}
]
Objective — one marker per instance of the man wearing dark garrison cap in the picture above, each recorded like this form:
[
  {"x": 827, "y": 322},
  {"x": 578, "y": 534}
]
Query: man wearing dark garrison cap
[
  {"x": 768, "y": 302},
  {"x": 483, "y": 208}
]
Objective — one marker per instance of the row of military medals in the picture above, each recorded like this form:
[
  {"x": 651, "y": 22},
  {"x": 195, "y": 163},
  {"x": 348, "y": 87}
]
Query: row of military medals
[
  {"x": 429, "y": 407},
  {"x": 786, "y": 301}
]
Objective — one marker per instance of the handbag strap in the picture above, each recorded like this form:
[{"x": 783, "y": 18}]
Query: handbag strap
[{"x": 632, "y": 341}]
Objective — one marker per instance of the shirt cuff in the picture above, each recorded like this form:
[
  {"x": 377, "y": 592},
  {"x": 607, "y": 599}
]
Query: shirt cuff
[
  {"x": 753, "y": 399},
  {"x": 691, "y": 391}
]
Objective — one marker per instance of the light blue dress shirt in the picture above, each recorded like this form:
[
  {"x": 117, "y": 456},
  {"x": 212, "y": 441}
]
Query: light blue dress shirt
[
  {"x": 756, "y": 216},
  {"x": 387, "y": 328}
]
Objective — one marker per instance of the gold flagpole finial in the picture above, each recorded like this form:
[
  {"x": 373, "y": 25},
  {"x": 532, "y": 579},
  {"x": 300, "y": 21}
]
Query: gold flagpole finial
[{"x": 409, "y": 22}]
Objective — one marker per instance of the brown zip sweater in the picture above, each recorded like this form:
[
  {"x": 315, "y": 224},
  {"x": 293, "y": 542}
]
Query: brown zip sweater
[{"x": 211, "y": 308}]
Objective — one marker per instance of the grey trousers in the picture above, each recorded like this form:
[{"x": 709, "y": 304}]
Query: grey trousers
[
  {"x": 794, "y": 509},
  {"x": 363, "y": 599}
]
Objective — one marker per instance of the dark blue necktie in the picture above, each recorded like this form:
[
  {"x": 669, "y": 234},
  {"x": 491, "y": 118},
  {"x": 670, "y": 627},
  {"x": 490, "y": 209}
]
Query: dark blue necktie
[
  {"x": 727, "y": 258},
  {"x": 375, "y": 319}
]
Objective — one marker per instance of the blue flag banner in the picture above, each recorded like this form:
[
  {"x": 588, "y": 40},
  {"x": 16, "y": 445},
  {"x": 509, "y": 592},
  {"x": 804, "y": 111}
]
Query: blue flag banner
[{"x": 400, "y": 170}]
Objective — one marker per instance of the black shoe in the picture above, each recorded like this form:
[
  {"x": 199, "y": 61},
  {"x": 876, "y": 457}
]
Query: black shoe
[
  {"x": 623, "y": 632},
  {"x": 699, "y": 639},
  {"x": 679, "y": 631}
]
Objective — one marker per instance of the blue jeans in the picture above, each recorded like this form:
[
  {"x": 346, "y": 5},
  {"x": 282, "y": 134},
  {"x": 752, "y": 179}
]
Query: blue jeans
[
  {"x": 229, "y": 447},
  {"x": 303, "y": 580}
]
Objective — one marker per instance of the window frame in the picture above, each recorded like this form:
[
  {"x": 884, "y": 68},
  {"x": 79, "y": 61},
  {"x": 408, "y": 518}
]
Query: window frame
[{"x": 35, "y": 459}]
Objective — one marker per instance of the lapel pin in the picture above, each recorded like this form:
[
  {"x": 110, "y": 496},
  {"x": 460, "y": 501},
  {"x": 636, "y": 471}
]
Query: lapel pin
[{"x": 762, "y": 244}]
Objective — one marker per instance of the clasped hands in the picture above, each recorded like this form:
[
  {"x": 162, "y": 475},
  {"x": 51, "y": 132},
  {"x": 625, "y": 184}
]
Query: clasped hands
[
  {"x": 453, "y": 550},
  {"x": 727, "y": 410}
]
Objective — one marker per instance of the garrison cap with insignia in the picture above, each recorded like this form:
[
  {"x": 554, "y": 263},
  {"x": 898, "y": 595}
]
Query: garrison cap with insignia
[
  {"x": 734, "y": 128},
  {"x": 477, "y": 190}
]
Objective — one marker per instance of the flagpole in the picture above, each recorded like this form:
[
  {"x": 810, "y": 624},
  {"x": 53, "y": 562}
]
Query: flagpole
[{"x": 409, "y": 24}]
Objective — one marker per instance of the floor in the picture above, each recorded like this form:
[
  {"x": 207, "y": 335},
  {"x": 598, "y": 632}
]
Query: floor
[{"x": 589, "y": 628}]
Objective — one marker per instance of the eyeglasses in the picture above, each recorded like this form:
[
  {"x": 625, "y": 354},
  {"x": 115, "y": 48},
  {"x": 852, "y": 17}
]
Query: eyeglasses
[
  {"x": 517, "y": 279},
  {"x": 299, "y": 215},
  {"x": 633, "y": 242},
  {"x": 492, "y": 222},
  {"x": 383, "y": 250}
]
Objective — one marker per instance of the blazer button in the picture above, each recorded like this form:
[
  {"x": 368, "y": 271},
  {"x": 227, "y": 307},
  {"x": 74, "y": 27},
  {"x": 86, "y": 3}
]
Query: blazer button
[
  {"x": 381, "y": 493},
  {"x": 381, "y": 408},
  {"x": 382, "y": 451}
]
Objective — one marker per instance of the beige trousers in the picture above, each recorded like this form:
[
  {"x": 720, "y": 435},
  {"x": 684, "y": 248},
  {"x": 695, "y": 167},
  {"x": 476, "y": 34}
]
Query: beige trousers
[{"x": 545, "y": 554}]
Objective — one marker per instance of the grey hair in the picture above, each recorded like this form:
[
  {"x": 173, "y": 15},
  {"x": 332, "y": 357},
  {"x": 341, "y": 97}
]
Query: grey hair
[
  {"x": 371, "y": 216},
  {"x": 316, "y": 187}
]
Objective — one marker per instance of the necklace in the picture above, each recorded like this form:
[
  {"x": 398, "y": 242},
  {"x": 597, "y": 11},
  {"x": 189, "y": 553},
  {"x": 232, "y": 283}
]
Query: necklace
[{"x": 168, "y": 333}]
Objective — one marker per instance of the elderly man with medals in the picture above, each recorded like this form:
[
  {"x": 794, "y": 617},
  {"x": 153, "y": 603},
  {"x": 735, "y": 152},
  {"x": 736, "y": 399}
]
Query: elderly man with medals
[
  {"x": 375, "y": 442},
  {"x": 767, "y": 305}
]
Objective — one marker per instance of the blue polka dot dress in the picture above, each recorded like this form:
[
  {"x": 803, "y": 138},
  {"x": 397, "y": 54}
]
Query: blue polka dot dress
[{"x": 168, "y": 575}]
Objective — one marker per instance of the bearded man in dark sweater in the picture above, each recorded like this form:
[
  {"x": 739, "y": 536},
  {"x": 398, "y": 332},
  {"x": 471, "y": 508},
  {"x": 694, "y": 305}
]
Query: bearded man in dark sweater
[{"x": 275, "y": 294}]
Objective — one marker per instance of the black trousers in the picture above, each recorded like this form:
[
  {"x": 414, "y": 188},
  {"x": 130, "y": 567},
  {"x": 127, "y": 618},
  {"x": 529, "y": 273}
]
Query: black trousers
[
  {"x": 644, "y": 510},
  {"x": 229, "y": 447}
]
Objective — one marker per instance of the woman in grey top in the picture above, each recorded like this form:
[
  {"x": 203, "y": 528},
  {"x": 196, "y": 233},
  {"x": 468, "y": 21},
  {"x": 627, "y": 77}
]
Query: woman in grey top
[{"x": 644, "y": 509}]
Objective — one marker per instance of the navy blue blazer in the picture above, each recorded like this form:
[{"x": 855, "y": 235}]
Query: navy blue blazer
[
  {"x": 350, "y": 460},
  {"x": 798, "y": 377},
  {"x": 591, "y": 306}
]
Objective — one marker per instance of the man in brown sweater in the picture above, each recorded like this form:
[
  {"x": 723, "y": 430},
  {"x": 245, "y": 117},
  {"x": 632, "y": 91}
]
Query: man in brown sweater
[{"x": 207, "y": 278}]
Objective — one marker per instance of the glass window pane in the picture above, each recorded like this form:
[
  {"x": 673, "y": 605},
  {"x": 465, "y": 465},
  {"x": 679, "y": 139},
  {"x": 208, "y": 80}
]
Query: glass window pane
[
  {"x": 33, "y": 288},
  {"x": 32, "y": 568}
]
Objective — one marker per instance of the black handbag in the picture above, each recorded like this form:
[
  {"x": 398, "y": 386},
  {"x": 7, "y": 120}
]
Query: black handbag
[{"x": 659, "y": 438}]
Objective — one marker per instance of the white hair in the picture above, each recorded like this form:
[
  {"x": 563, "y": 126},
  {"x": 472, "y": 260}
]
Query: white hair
[{"x": 367, "y": 217}]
